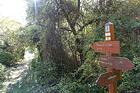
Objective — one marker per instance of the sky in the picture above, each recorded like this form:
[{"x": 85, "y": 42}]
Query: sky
[{"x": 14, "y": 9}]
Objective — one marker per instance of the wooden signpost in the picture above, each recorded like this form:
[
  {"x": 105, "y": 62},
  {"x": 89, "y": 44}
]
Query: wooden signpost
[
  {"x": 112, "y": 47},
  {"x": 115, "y": 65},
  {"x": 118, "y": 63},
  {"x": 107, "y": 78}
]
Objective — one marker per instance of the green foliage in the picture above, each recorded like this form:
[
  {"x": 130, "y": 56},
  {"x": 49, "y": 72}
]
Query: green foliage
[
  {"x": 26, "y": 85},
  {"x": 82, "y": 81},
  {"x": 39, "y": 77},
  {"x": 2, "y": 74},
  {"x": 6, "y": 58},
  {"x": 131, "y": 79},
  {"x": 88, "y": 72},
  {"x": 19, "y": 54},
  {"x": 68, "y": 85},
  {"x": 44, "y": 72},
  {"x": 11, "y": 42},
  {"x": 63, "y": 32},
  {"x": 42, "y": 78}
]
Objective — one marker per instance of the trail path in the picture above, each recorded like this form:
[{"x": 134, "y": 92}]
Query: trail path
[{"x": 15, "y": 74}]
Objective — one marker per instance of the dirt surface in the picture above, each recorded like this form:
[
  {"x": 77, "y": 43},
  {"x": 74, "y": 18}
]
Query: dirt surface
[{"x": 15, "y": 73}]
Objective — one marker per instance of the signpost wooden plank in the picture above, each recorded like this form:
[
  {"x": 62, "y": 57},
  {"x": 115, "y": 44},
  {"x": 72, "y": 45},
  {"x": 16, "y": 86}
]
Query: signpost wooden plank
[
  {"x": 108, "y": 78},
  {"x": 118, "y": 63},
  {"x": 113, "y": 64},
  {"x": 107, "y": 47}
]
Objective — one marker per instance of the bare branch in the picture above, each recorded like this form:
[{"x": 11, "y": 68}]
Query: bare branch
[
  {"x": 67, "y": 17},
  {"x": 65, "y": 28}
]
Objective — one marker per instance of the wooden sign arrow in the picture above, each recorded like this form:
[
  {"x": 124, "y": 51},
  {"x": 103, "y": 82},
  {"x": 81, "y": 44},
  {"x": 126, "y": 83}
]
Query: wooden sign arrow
[
  {"x": 108, "y": 78},
  {"x": 112, "y": 47},
  {"x": 118, "y": 63}
]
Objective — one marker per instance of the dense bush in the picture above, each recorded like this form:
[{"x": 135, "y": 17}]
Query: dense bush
[
  {"x": 81, "y": 81},
  {"x": 131, "y": 79},
  {"x": 6, "y": 58},
  {"x": 42, "y": 78},
  {"x": 10, "y": 54},
  {"x": 44, "y": 72},
  {"x": 19, "y": 53},
  {"x": 2, "y": 74},
  {"x": 68, "y": 85}
]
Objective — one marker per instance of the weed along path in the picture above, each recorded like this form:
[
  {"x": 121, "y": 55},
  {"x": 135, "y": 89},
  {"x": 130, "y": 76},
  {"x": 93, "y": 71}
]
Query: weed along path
[{"x": 15, "y": 73}]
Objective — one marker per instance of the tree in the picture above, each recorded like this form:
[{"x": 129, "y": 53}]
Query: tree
[{"x": 9, "y": 31}]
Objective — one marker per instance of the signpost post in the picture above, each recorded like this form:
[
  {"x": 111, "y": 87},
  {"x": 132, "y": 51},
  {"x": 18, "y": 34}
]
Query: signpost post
[
  {"x": 115, "y": 65},
  {"x": 107, "y": 78},
  {"x": 109, "y": 28}
]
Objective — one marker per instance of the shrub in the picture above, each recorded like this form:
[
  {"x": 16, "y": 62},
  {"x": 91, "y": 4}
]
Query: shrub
[
  {"x": 43, "y": 78},
  {"x": 6, "y": 58},
  {"x": 2, "y": 74},
  {"x": 40, "y": 76},
  {"x": 82, "y": 81},
  {"x": 19, "y": 54},
  {"x": 69, "y": 85},
  {"x": 131, "y": 80},
  {"x": 44, "y": 72}
]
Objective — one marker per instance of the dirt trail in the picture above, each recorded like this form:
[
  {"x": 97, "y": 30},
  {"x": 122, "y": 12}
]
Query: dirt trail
[{"x": 15, "y": 74}]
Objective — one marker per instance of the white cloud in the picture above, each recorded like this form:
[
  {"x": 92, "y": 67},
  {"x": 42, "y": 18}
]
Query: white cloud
[{"x": 15, "y": 9}]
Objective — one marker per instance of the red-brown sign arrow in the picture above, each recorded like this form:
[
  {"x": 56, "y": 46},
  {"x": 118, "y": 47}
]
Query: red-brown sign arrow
[
  {"x": 108, "y": 78},
  {"x": 118, "y": 63},
  {"x": 112, "y": 47}
]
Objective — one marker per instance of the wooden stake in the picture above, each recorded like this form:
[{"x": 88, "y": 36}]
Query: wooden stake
[{"x": 113, "y": 86}]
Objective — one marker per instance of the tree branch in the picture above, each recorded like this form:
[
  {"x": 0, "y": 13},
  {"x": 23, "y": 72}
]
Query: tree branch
[
  {"x": 86, "y": 24},
  {"x": 65, "y": 28},
  {"x": 67, "y": 17}
]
